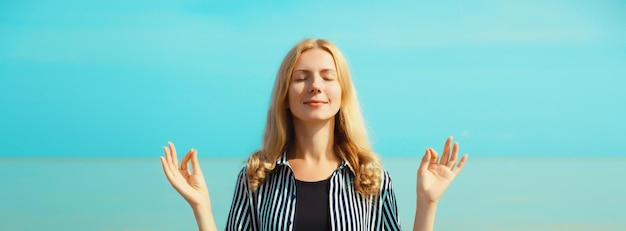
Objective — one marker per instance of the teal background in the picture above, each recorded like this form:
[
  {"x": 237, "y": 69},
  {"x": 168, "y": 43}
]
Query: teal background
[
  {"x": 91, "y": 90},
  {"x": 120, "y": 79}
]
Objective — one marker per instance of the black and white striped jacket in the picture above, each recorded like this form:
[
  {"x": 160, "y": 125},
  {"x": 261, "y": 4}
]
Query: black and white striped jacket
[{"x": 272, "y": 206}]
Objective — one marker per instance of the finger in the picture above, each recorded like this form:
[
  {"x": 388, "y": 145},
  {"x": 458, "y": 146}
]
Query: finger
[
  {"x": 174, "y": 157},
  {"x": 459, "y": 166},
  {"x": 455, "y": 154},
  {"x": 169, "y": 174},
  {"x": 195, "y": 164},
  {"x": 168, "y": 159},
  {"x": 433, "y": 156},
  {"x": 185, "y": 163},
  {"x": 166, "y": 168},
  {"x": 424, "y": 164},
  {"x": 446, "y": 151}
]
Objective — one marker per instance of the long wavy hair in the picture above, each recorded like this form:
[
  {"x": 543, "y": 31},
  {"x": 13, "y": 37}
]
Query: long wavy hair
[{"x": 351, "y": 143}]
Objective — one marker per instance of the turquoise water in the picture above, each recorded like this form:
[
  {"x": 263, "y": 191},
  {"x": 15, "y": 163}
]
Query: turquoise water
[{"x": 490, "y": 194}]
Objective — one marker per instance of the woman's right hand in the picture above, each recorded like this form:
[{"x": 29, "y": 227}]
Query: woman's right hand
[{"x": 190, "y": 185}]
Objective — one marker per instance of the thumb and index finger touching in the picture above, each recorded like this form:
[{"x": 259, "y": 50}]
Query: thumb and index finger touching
[
  {"x": 195, "y": 164},
  {"x": 170, "y": 161},
  {"x": 427, "y": 159}
]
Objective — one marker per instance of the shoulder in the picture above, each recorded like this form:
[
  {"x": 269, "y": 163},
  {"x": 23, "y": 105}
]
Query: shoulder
[
  {"x": 385, "y": 180},
  {"x": 242, "y": 176},
  {"x": 385, "y": 174},
  {"x": 243, "y": 172}
]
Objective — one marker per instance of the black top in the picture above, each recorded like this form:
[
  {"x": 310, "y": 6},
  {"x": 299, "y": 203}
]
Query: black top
[{"x": 312, "y": 206}]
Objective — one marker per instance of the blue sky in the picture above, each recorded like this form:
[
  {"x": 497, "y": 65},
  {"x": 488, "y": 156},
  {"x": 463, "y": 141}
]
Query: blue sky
[{"x": 120, "y": 79}]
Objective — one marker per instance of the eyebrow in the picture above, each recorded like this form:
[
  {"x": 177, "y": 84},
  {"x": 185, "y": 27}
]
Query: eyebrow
[{"x": 308, "y": 71}]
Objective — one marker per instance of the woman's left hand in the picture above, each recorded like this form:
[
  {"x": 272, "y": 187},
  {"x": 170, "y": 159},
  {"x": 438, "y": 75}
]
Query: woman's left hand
[{"x": 435, "y": 175}]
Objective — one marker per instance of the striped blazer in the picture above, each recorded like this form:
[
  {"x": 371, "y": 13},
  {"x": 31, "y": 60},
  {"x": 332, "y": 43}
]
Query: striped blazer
[{"x": 272, "y": 206}]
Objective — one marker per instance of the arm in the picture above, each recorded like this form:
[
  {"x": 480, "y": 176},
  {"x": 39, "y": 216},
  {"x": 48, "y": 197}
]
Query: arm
[
  {"x": 190, "y": 185},
  {"x": 424, "y": 216},
  {"x": 433, "y": 178},
  {"x": 240, "y": 214},
  {"x": 390, "y": 217},
  {"x": 204, "y": 218}
]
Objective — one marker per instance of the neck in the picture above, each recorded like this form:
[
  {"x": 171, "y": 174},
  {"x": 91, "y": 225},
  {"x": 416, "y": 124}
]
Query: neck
[{"x": 314, "y": 141}]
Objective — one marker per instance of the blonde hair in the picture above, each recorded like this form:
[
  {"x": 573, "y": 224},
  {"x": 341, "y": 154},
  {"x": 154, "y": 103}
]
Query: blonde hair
[{"x": 351, "y": 142}]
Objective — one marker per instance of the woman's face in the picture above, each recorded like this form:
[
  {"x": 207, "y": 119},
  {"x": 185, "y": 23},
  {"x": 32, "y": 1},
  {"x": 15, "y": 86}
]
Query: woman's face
[{"x": 314, "y": 91}]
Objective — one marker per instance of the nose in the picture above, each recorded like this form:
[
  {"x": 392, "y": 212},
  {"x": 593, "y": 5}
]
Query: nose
[{"x": 317, "y": 84}]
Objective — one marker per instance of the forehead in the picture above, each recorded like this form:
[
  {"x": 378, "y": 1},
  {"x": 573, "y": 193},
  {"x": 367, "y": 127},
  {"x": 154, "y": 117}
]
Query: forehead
[{"x": 315, "y": 59}]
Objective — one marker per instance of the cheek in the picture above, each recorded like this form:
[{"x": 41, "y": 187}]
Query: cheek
[
  {"x": 292, "y": 95},
  {"x": 334, "y": 92}
]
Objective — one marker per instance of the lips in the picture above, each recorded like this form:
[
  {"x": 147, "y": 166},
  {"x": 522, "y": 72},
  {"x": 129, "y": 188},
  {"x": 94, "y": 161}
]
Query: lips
[{"x": 315, "y": 102}]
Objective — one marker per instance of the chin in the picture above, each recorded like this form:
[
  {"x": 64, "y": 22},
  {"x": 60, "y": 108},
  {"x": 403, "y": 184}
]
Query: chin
[{"x": 315, "y": 118}]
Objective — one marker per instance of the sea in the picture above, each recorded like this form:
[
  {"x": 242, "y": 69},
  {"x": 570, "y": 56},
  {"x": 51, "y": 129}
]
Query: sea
[{"x": 513, "y": 193}]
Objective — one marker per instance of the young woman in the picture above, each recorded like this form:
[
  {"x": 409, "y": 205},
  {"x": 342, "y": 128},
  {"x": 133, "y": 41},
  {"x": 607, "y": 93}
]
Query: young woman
[{"x": 316, "y": 169}]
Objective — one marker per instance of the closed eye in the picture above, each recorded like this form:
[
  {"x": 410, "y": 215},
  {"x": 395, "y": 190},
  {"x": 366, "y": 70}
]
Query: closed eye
[
  {"x": 329, "y": 77},
  {"x": 329, "y": 74},
  {"x": 300, "y": 76}
]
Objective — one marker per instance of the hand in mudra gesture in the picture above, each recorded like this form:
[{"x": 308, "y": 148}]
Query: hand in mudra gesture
[
  {"x": 435, "y": 175},
  {"x": 190, "y": 185}
]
